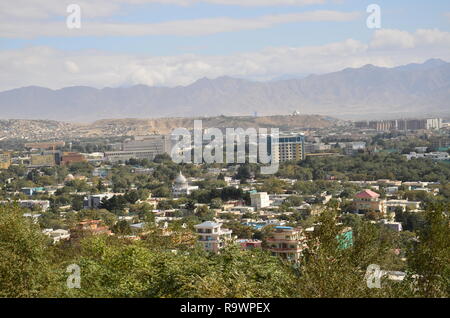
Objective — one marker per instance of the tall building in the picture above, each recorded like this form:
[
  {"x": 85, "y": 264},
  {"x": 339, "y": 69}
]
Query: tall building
[
  {"x": 212, "y": 236},
  {"x": 290, "y": 147}
]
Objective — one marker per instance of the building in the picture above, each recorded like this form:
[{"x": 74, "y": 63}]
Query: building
[
  {"x": 181, "y": 186},
  {"x": 57, "y": 235},
  {"x": 404, "y": 205},
  {"x": 45, "y": 145},
  {"x": 369, "y": 201},
  {"x": 68, "y": 158},
  {"x": 395, "y": 226},
  {"x": 435, "y": 156},
  {"x": 291, "y": 148},
  {"x": 95, "y": 200},
  {"x": 43, "y": 160},
  {"x": 141, "y": 147},
  {"x": 89, "y": 227},
  {"x": 212, "y": 236},
  {"x": 260, "y": 200},
  {"x": 42, "y": 205},
  {"x": 158, "y": 144},
  {"x": 286, "y": 242},
  {"x": 248, "y": 244},
  {"x": 5, "y": 160},
  {"x": 31, "y": 191}
]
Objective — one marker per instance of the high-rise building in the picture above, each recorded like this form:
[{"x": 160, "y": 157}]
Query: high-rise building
[{"x": 290, "y": 147}]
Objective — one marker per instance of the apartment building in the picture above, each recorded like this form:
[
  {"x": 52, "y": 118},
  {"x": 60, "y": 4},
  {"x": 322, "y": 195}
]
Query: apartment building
[
  {"x": 212, "y": 236},
  {"x": 289, "y": 148},
  {"x": 286, "y": 242}
]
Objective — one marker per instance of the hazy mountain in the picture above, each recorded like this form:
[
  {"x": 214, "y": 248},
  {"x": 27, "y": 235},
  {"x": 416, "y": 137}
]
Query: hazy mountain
[{"x": 366, "y": 92}]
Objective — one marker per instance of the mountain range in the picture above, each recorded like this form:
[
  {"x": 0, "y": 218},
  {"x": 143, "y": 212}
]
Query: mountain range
[{"x": 369, "y": 92}]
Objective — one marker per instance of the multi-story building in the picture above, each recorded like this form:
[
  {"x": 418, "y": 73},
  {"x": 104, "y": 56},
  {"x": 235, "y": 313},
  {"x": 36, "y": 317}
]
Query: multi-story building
[
  {"x": 260, "y": 200},
  {"x": 71, "y": 157},
  {"x": 286, "y": 242},
  {"x": 5, "y": 160},
  {"x": 43, "y": 160},
  {"x": 290, "y": 148},
  {"x": 141, "y": 147},
  {"x": 369, "y": 201},
  {"x": 212, "y": 236}
]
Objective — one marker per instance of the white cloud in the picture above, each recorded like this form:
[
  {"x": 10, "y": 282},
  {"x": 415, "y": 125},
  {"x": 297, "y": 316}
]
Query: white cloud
[
  {"x": 194, "y": 27},
  {"x": 397, "y": 39},
  {"x": 386, "y": 38},
  {"x": 43, "y": 9},
  {"x": 52, "y": 68}
]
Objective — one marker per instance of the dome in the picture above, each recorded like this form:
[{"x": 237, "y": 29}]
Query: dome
[
  {"x": 69, "y": 177},
  {"x": 180, "y": 179}
]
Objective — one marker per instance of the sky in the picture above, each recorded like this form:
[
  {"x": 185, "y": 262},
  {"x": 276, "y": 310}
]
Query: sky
[{"x": 176, "y": 42}]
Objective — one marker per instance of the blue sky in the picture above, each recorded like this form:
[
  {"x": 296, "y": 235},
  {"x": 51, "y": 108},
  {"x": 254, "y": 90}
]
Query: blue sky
[{"x": 234, "y": 40}]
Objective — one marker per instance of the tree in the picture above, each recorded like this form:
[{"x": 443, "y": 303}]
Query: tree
[
  {"x": 429, "y": 259},
  {"x": 25, "y": 269}
]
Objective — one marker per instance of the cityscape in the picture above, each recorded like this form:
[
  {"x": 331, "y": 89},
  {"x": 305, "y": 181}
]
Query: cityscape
[{"x": 229, "y": 160}]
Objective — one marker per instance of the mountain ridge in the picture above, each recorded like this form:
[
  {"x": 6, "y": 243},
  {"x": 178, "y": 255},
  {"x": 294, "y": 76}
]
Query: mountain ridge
[{"x": 353, "y": 93}]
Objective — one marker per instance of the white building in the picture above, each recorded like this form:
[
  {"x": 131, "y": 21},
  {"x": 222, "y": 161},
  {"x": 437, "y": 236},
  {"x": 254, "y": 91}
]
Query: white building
[
  {"x": 57, "y": 235},
  {"x": 260, "y": 200},
  {"x": 212, "y": 236}
]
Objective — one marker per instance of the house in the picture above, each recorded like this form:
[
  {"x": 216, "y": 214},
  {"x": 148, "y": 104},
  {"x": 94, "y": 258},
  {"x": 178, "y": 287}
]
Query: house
[
  {"x": 369, "y": 201},
  {"x": 212, "y": 236}
]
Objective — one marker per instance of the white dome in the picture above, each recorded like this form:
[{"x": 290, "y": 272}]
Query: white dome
[{"x": 180, "y": 179}]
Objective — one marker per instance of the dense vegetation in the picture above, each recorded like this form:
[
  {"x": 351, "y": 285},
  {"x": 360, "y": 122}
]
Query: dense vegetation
[{"x": 172, "y": 266}]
